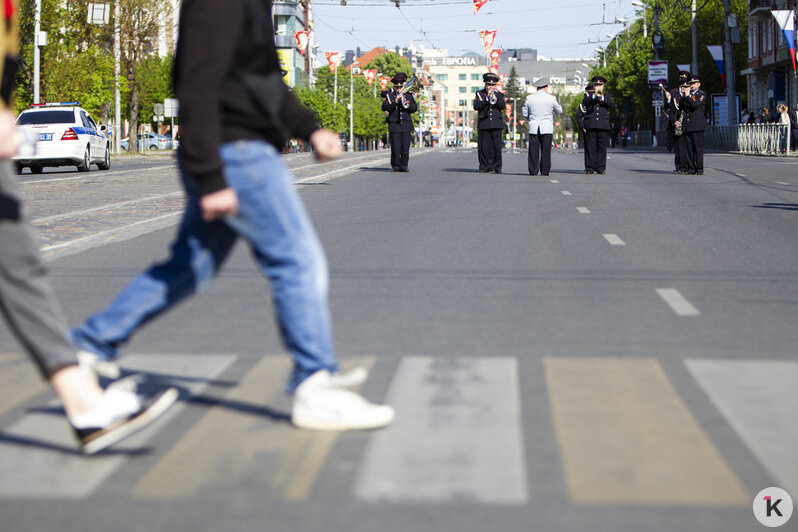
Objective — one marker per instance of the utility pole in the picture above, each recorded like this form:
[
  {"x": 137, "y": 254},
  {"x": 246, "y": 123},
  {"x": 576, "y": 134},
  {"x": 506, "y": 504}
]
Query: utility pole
[
  {"x": 117, "y": 99},
  {"x": 731, "y": 95},
  {"x": 309, "y": 50},
  {"x": 694, "y": 28},
  {"x": 353, "y": 71},
  {"x": 37, "y": 26}
]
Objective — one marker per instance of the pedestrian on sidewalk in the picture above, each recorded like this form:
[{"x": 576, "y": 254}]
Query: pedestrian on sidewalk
[
  {"x": 99, "y": 418},
  {"x": 539, "y": 108},
  {"x": 236, "y": 114}
]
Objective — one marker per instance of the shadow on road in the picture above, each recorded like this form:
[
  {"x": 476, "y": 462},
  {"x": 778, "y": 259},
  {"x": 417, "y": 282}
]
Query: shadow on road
[{"x": 782, "y": 206}]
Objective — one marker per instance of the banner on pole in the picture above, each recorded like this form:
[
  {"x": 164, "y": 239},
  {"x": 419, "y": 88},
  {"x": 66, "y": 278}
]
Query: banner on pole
[
  {"x": 716, "y": 51},
  {"x": 384, "y": 80},
  {"x": 302, "y": 38},
  {"x": 333, "y": 60},
  {"x": 487, "y": 36},
  {"x": 494, "y": 56},
  {"x": 786, "y": 20},
  {"x": 370, "y": 74},
  {"x": 478, "y": 4},
  {"x": 657, "y": 73}
]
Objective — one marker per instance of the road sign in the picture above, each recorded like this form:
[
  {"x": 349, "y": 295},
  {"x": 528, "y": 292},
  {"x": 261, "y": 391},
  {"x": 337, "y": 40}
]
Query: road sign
[
  {"x": 656, "y": 95},
  {"x": 158, "y": 108},
  {"x": 657, "y": 103},
  {"x": 170, "y": 108}
]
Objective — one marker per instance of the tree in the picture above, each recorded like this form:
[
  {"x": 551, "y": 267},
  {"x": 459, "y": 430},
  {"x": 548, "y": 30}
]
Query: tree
[
  {"x": 516, "y": 94},
  {"x": 154, "y": 83},
  {"x": 628, "y": 54},
  {"x": 389, "y": 64}
]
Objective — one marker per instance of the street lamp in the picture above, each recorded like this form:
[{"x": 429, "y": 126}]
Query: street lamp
[{"x": 354, "y": 71}]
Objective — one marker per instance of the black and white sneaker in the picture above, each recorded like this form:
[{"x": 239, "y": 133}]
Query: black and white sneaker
[{"x": 120, "y": 414}]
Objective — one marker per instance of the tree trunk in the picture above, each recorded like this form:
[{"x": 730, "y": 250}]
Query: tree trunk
[{"x": 132, "y": 134}]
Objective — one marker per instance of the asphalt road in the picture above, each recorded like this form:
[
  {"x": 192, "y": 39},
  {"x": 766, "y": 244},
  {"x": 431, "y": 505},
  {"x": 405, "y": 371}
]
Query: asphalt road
[{"x": 572, "y": 353}]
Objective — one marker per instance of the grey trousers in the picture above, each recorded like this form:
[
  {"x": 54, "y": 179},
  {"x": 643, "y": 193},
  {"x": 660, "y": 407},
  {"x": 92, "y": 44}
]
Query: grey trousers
[{"x": 27, "y": 300}]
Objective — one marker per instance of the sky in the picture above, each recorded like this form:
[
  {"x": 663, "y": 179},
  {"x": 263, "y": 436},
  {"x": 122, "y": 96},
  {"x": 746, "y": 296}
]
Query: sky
[{"x": 555, "y": 28}]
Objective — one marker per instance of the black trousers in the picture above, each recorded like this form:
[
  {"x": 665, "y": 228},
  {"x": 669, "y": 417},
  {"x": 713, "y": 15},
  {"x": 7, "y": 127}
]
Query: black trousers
[
  {"x": 400, "y": 150},
  {"x": 596, "y": 150},
  {"x": 539, "y": 158},
  {"x": 693, "y": 152},
  {"x": 489, "y": 149},
  {"x": 678, "y": 158}
]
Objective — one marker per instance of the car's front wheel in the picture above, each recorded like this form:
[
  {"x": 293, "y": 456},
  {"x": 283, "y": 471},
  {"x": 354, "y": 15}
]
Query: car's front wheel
[
  {"x": 86, "y": 162},
  {"x": 106, "y": 164}
]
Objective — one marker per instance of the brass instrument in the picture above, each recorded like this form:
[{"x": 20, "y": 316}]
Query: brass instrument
[
  {"x": 411, "y": 85},
  {"x": 492, "y": 95},
  {"x": 599, "y": 92}
]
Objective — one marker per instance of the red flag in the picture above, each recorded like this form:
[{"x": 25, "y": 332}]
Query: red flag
[
  {"x": 500, "y": 84},
  {"x": 302, "y": 38},
  {"x": 478, "y": 4},
  {"x": 493, "y": 69},
  {"x": 370, "y": 75},
  {"x": 384, "y": 80},
  {"x": 333, "y": 59},
  {"x": 509, "y": 109},
  {"x": 487, "y": 36},
  {"x": 494, "y": 56}
]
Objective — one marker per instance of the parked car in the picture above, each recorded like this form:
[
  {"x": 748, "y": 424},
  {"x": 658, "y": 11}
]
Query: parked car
[
  {"x": 66, "y": 135},
  {"x": 152, "y": 141}
]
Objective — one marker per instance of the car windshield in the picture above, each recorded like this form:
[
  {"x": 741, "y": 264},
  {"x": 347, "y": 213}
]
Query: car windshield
[{"x": 46, "y": 117}]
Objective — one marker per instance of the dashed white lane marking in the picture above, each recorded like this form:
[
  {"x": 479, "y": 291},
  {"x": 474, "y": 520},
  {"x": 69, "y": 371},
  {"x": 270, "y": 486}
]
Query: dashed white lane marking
[
  {"x": 583, "y": 210},
  {"x": 565, "y": 193},
  {"x": 554, "y": 181},
  {"x": 457, "y": 435},
  {"x": 740, "y": 175},
  {"x": 614, "y": 239},
  {"x": 678, "y": 303},
  {"x": 783, "y": 183}
]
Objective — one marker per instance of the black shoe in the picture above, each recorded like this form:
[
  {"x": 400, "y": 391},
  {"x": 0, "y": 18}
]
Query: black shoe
[
  {"x": 588, "y": 172},
  {"x": 700, "y": 172},
  {"x": 601, "y": 172},
  {"x": 530, "y": 173},
  {"x": 498, "y": 171},
  {"x": 95, "y": 439}
]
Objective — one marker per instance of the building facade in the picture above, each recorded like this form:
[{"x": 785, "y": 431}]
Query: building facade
[
  {"x": 288, "y": 17},
  {"x": 770, "y": 77}
]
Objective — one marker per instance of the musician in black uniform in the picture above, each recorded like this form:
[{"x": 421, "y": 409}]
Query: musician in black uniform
[
  {"x": 597, "y": 123},
  {"x": 672, "y": 111},
  {"x": 694, "y": 124},
  {"x": 580, "y": 121},
  {"x": 490, "y": 104},
  {"x": 398, "y": 109}
]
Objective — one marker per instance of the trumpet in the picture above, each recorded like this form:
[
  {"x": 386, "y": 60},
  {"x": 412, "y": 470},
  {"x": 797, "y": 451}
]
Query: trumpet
[
  {"x": 599, "y": 92},
  {"x": 492, "y": 95},
  {"x": 411, "y": 85}
]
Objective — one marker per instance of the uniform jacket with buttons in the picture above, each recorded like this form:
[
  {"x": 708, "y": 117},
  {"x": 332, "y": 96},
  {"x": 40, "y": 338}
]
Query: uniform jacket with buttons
[
  {"x": 693, "y": 106},
  {"x": 399, "y": 119},
  {"x": 597, "y": 111},
  {"x": 490, "y": 115},
  {"x": 670, "y": 108}
]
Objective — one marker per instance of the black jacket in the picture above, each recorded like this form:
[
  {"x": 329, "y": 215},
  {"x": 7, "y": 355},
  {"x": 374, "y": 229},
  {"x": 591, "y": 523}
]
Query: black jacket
[
  {"x": 597, "y": 111},
  {"x": 490, "y": 115},
  {"x": 580, "y": 117},
  {"x": 693, "y": 107},
  {"x": 670, "y": 107},
  {"x": 399, "y": 117},
  {"x": 224, "y": 50}
]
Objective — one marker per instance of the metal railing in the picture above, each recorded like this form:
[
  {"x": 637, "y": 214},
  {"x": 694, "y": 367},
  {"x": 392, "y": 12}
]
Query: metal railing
[{"x": 766, "y": 139}]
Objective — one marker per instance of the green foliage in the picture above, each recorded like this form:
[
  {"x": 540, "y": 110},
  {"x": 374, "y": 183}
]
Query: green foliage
[
  {"x": 328, "y": 115},
  {"x": 626, "y": 67},
  {"x": 154, "y": 81},
  {"x": 389, "y": 64}
]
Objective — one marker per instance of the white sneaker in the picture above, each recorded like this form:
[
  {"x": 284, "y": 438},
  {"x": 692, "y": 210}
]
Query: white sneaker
[
  {"x": 350, "y": 379},
  {"x": 121, "y": 413},
  {"x": 321, "y": 404},
  {"x": 97, "y": 367}
]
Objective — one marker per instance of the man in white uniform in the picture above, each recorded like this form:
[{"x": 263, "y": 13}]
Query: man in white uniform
[{"x": 539, "y": 110}]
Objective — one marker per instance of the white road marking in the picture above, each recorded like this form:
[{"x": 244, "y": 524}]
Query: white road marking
[
  {"x": 758, "y": 398},
  {"x": 136, "y": 172},
  {"x": 583, "y": 210},
  {"x": 74, "y": 214},
  {"x": 783, "y": 183},
  {"x": 39, "y": 457},
  {"x": 614, "y": 239},
  {"x": 554, "y": 181},
  {"x": 678, "y": 303},
  {"x": 457, "y": 435},
  {"x": 565, "y": 193}
]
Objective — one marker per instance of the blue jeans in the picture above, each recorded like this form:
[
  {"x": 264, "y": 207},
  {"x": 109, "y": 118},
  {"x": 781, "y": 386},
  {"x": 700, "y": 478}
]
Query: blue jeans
[{"x": 273, "y": 221}]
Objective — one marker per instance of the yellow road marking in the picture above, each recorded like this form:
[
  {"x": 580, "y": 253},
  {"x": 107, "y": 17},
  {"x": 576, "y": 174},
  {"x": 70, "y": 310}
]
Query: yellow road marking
[
  {"x": 626, "y": 437},
  {"x": 235, "y": 445}
]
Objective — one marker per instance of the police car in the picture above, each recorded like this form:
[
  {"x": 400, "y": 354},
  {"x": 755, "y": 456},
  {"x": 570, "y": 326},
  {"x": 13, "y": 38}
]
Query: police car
[{"x": 66, "y": 135}]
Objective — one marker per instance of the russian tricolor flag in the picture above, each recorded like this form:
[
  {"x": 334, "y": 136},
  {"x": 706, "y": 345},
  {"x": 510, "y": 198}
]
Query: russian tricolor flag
[
  {"x": 786, "y": 20},
  {"x": 717, "y": 54}
]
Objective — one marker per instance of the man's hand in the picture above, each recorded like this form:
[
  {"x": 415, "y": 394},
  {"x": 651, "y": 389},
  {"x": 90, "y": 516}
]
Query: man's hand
[
  {"x": 219, "y": 204},
  {"x": 326, "y": 144},
  {"x": 8, "y": 139}
]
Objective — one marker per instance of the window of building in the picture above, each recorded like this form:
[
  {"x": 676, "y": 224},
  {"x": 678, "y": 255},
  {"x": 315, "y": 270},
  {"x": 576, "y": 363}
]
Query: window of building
[
  {"x": 461, "y": 77},
  {"x": 463, "y": 103},
  {"x": 475, "y": 89},
  {"x": 476, "y": 77},
  {"x": 463, "y": 90},
  {"x": 753, "y": 50},
  {"x": 442, "y": 77}
]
